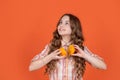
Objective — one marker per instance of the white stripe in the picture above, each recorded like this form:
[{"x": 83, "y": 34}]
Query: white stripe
[
  {"x": 51, "y": 77},
  {"x": 70, "y": 70},
  {"x": 87, "y": 51},
  {"x": 60, "y": 68},
  {"x": 55, "y": 75}
]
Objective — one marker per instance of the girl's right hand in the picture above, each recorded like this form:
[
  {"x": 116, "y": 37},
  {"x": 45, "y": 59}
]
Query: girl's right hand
[{"x": 55, "y": 54}]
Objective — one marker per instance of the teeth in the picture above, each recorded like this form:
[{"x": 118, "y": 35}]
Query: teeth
[{"x": 61, "y": 29}]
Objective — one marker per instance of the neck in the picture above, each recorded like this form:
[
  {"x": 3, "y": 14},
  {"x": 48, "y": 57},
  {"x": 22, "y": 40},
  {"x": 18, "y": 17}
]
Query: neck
[{"x": 66, "y": 39}]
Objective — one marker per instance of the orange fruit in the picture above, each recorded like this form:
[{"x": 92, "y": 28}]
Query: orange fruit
[
  {"x": 71, "y": 49},
  {"x": 63, "y": 51}
]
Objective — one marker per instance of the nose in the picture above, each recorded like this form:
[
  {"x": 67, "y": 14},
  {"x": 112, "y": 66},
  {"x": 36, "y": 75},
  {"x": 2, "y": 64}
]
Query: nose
[{"x": 62, "y": 25}]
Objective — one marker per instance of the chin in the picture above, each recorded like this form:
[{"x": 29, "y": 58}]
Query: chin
[{"x": 63, "y": 34}]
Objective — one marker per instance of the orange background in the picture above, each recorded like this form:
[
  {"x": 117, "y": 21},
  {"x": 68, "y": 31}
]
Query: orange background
[{"x": 26, "y": 26}]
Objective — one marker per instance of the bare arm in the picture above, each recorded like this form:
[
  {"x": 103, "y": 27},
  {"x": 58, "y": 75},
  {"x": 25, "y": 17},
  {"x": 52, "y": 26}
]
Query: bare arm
[
  {"x": 43, "y": 60},
  {"x": 40, "y": 62},
  {"x": 95, "y": 61},
  {"x": 91, "y": 58}
]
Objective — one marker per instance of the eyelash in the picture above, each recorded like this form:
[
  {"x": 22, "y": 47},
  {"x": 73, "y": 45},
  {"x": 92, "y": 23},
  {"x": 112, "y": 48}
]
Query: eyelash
[
  {"x": 61, "y": 23},
  {"x": 66, "y": 23}
]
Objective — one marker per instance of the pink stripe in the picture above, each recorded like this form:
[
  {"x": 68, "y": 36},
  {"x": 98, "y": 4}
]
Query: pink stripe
[
  {"x": 53, "y": 76},
  {"x": 63, "y": 69},
  {"x": 57, "y": 74}
]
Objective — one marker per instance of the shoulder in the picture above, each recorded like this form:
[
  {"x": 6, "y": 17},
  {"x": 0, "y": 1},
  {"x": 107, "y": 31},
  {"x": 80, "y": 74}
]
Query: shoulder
[
  {"x": 87, "y": 50},
  {"x": 46, "y": 48},
  {"x": 42, "y": 53}
]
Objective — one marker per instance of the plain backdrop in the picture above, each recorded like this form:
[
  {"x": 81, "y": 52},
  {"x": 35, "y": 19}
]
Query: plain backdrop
[{"x": 26, "y": 26}]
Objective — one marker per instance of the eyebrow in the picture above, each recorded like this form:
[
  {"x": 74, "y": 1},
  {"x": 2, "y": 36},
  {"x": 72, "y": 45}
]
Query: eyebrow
[{"x": 65, "y": 21}]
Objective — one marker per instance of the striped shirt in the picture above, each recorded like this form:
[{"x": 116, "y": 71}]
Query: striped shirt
[{"x": 65, "y": 67}]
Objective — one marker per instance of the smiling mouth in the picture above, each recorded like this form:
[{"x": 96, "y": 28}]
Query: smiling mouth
[{"x": 62, "y": 29}]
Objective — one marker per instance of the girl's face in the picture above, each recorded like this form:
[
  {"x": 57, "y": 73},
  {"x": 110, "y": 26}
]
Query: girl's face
[{"x": 64, "y": 26}]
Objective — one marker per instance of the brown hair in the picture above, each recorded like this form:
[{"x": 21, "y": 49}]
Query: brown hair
[{"x": 76, "y": 38}]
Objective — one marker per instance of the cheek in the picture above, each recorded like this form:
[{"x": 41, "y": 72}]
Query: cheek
[
  {"x": 58, "y": 28},
  {"x": 69, "y": 29}
]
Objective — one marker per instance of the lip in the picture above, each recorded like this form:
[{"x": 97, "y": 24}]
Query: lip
[{"x": 62, "y": 29}]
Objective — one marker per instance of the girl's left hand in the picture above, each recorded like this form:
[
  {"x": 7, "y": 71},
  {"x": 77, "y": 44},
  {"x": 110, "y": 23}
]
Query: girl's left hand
[{"x": 79, "y": 52}]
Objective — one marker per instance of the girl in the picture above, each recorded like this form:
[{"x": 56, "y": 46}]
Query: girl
[{"x": 69, "y": 67}]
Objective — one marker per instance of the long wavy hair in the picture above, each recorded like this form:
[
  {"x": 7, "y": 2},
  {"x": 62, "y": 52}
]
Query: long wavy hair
[{"x": 76, "y": 38}]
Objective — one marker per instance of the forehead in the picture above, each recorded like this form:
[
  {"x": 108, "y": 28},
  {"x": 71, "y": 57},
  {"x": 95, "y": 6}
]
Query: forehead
[{"x": 65, "y": 18}]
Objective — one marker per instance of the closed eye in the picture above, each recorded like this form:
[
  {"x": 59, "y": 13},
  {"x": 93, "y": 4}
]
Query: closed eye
[
  {"x": 67, "y": 23},
  {"x": 60, "y": 22}
]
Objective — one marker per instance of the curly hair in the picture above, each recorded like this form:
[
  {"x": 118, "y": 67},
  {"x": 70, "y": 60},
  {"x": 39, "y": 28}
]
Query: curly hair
[{"x": 76, "y": 38}]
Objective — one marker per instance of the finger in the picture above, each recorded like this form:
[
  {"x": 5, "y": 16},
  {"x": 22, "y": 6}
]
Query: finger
[
  {"x": 76, "y": 46},
  {"x": 78, "y": 55},
  {"x": 60, "y": 57},
  {"x": 58, "y": 52},
  {"x": 74, "y": 55},
  {"x": 77, "y": 49}
]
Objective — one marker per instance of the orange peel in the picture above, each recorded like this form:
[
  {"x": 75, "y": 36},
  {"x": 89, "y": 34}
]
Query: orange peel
[
  {"x": 71, "y": 49},
  {"x": 63, "y": 51}
]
